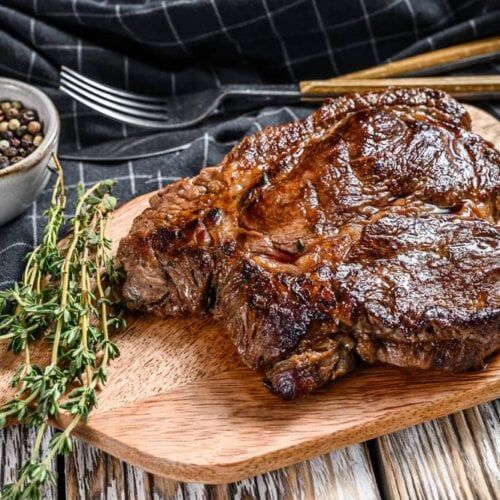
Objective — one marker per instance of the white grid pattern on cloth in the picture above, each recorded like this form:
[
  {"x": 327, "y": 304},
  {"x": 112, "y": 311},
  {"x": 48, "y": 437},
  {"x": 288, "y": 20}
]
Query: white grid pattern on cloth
[
  {"x": 413, "y": 17},
  {"x": 223, "y": 27},
  {"x": 171, "y": 26},
  {"x": 369, "y": 40},
  {"x": 326, "y": 27},
  {"x": 289, "y": 61},
  {"x": 368, "y": 23},
  {"x": 74, "y": 6},
  {"x": 327, "y": 39},
  {"x": 280, "y": 40}
]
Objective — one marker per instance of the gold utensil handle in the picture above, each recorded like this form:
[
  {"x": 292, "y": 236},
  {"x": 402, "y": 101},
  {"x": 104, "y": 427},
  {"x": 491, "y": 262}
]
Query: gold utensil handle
[
  {"x": 430, "y": 59},
  {"x": 459, "y": 86}
]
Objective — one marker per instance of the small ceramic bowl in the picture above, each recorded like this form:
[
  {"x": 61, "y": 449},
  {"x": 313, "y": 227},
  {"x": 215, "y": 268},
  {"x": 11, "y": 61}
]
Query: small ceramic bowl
[{"x": 22, "y": 182}]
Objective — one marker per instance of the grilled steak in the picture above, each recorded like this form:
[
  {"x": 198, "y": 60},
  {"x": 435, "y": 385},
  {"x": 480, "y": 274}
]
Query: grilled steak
[{"x": 366, "y": 231}]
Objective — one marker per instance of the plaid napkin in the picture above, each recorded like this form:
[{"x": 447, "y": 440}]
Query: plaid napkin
[{"x": 177, "y": 46}]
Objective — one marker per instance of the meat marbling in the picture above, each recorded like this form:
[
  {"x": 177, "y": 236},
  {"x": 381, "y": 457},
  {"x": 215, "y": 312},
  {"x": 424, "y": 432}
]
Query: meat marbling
[{"x": 365, "y": 231}]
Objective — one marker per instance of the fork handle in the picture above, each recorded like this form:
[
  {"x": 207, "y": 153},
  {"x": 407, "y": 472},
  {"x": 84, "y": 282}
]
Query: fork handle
[
  {"x": 445, "y": 59},
  {"x": 456, "y": 56},
  {"x": 463, "y": 87}
]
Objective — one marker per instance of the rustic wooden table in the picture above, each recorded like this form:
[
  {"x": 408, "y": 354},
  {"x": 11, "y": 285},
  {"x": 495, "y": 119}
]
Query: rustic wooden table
[{"x": 453, "y": 457}]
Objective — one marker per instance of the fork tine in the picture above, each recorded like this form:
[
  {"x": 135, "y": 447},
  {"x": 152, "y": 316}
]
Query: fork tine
[
  {"x": 117, "y": 115},
  {"x": 149, "y": 114},
  {"x": 123, "y": 102},
  {"x": 112, "y": 90}
]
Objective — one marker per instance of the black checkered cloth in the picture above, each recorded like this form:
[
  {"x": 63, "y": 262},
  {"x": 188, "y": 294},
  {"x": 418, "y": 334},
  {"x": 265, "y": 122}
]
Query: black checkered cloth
[{"x": 179, "y": 46}]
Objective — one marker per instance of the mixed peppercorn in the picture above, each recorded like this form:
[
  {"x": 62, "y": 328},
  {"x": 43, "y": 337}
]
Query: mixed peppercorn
[{"x": 20, "y": 132}]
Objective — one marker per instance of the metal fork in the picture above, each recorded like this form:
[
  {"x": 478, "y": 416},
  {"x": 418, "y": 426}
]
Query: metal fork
[
  {"x": 183, "y": 111},
  {"x": 164, "y": 112}
]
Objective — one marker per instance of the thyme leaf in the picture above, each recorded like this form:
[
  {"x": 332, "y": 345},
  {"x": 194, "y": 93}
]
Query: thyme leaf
[{"x": 65, "y": 299}]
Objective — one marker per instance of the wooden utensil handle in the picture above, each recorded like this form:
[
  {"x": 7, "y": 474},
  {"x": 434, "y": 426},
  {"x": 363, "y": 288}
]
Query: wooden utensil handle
[
  {"x": 460, "y": 86},
  {"x": 430, "y": 59}
]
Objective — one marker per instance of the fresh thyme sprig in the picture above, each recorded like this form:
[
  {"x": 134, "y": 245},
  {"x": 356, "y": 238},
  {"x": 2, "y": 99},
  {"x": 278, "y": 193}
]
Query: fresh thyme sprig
[{"x": 66, "y": 299}]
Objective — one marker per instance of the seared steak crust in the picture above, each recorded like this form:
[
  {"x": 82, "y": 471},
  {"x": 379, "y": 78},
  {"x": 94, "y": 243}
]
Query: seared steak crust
[{"x": 366, "y": 231}]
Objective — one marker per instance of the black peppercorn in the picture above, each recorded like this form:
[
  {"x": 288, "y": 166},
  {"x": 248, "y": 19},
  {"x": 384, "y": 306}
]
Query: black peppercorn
[
  {"x": 27, "y": 116},
  {"x": 21, "y": 132},
  {"x": 10, "y": 152}
]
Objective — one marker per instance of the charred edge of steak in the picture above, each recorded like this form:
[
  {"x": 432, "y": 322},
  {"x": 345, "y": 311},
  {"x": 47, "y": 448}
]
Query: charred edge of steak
[
  {"x": 269, "y": 315},
  {"x": 301, "y": 373},
  {"x": 449, "y": 355}
]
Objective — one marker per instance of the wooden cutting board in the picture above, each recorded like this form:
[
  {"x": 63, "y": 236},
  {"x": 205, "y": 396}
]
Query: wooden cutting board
[{"x": 179, "y": 402}]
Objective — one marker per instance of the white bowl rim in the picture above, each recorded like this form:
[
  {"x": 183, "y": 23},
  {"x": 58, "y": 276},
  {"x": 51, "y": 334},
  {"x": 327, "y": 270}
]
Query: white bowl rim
[{"x": 51, "y": 133}]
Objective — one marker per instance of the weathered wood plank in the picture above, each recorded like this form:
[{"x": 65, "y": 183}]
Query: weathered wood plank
[
  {"x": 15, "y": 449},
  {"x": 344, "y": 474},
  {"x": 454, "y": 457}
]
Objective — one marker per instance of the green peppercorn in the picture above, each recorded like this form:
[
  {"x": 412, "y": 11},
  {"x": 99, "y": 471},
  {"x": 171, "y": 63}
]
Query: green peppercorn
[
  {"x": 6, "y": 105},
  {"x": 17, "y": 104},
  {"x": 3, "y": 126},
  {"x": 4, "y": 144},
  {"x": 14, "y": 124},
  {"x": 37, "y": 140}
]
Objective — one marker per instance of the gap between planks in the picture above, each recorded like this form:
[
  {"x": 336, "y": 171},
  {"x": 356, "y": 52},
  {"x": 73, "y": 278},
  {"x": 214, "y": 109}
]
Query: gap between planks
[
  {"x": 453, "y": 457},
  {"x": 343, "y": 474}
]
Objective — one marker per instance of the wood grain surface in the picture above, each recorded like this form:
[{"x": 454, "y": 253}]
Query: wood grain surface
[
  {"x": 15, "y": 450},
  {"x": 457, "y": 86},
  {"x": 347, "y": 473},
  {"x": 455, "y": 457},
  {"x": 180, "y": 404}
]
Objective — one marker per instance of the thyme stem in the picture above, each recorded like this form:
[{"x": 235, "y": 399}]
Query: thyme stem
[{"x": 55, "y": 301}]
